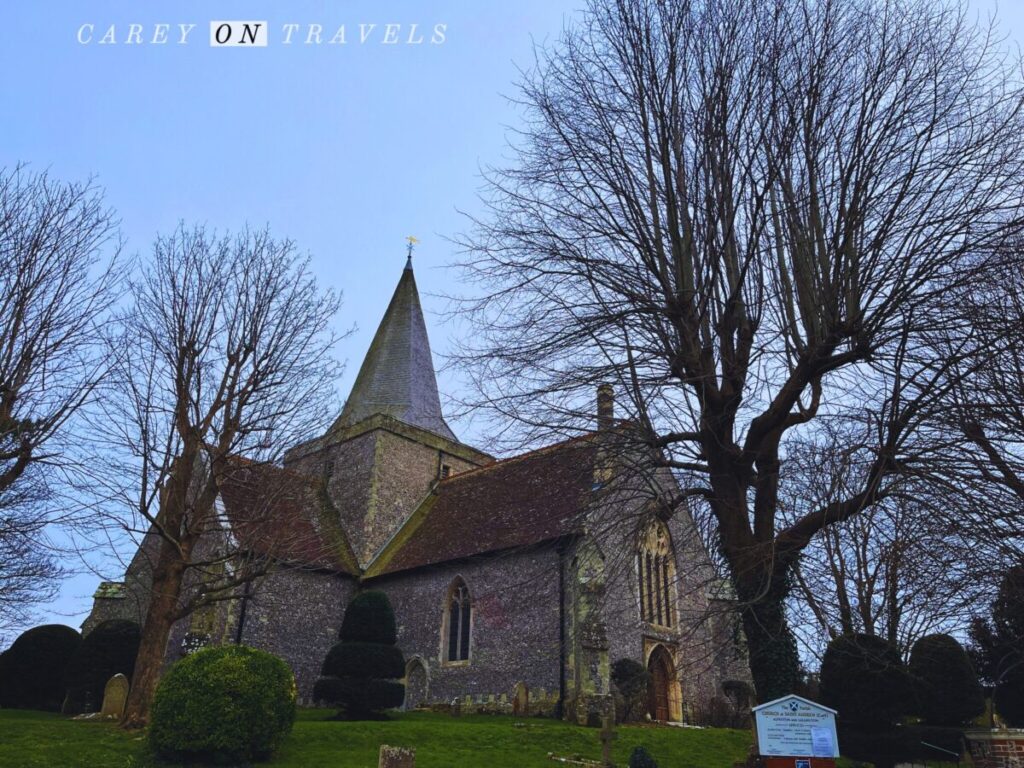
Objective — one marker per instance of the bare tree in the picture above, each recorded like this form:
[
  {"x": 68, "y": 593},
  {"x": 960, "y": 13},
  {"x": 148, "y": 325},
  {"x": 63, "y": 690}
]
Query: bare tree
[
  {"x": 57, "y": 286},
  {"x": 29, "y": 569},
  {"x": 226, "y": 359},
  {"x": 901, "y": 569},
  {"x": 747, "y": 215},
  {"x": 988, "y": 404}
]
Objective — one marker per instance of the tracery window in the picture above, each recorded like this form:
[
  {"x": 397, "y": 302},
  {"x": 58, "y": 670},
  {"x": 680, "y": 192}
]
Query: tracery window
[
  {"x": 657, "y": 574},
  {"x": 458, "y": 622}
]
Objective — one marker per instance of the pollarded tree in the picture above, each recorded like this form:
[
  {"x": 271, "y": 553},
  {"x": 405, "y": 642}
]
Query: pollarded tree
[
  {"x": 361, "y": 671},
  {"x": 946, "y": 686},
  {"x": 866, "y": 681},
  {"x": 58, "y": 246},
  {"x": 747, "y": 215},
  {"x": 225, "y": 359}
]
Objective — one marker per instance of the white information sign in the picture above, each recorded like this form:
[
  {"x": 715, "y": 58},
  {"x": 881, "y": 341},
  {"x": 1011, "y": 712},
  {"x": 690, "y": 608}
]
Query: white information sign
[{"x": 796, "y": 727}]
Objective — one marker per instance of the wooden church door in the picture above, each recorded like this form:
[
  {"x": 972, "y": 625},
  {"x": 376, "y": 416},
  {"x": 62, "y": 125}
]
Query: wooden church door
[{"x": 660, "y": 668}]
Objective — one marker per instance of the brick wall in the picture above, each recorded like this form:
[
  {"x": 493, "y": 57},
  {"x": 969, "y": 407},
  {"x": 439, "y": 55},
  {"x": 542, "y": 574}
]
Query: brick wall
[{"x": 996, "y": 748}]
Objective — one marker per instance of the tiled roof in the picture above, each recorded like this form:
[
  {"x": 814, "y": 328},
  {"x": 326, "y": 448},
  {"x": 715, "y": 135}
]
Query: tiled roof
[
  {"x": 397, "y": 376},
  {"x": 286, "y": 515},
  {"x": 526, "y": 500}
]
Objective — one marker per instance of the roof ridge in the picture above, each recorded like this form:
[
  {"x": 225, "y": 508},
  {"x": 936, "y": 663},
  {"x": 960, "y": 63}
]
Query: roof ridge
[{"x": 511, "y": 459}]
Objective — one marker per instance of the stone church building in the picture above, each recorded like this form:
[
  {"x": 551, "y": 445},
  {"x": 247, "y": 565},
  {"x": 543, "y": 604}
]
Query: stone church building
[{"x": 516, "y": 583}]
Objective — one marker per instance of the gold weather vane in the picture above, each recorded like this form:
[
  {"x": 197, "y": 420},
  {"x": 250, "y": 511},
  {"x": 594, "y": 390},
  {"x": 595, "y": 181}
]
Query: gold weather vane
[{"x": 412, "y": 243}]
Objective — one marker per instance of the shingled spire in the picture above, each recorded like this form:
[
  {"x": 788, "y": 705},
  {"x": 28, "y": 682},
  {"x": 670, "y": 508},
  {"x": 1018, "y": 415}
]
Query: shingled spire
[{"x": 397, "y": 377}]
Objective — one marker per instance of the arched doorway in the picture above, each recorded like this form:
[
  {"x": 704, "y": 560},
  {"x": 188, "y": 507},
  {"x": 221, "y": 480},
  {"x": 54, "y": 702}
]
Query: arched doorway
[
  {"x": 662, "y": 691},
  {"x": 415, "y": 684}
]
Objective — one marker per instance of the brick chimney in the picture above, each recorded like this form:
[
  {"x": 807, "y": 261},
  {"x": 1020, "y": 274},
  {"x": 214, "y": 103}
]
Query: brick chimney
[{"x": 605, "y": 406}]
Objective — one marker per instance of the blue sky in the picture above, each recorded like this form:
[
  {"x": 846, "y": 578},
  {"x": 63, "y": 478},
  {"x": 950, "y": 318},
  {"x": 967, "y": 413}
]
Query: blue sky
[{"x": 345, "y": 149}]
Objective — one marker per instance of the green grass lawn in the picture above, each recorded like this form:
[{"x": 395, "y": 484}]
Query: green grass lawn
[{"x": 31, "y": 739}]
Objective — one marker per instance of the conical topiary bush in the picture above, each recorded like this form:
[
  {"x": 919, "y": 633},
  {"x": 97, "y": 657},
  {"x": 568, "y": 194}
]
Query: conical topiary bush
[{"x": 360, "y": 674}]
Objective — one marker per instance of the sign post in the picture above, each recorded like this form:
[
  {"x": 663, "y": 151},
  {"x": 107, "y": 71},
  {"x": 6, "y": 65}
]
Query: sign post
[{"x": 794, "y": 732}]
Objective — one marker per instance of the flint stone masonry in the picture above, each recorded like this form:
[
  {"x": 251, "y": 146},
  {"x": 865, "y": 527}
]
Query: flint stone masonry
[
  {"x": 515, "y": 625},
  {"x": 296, "y": 614},
  {"x": 382, "y": 470}
]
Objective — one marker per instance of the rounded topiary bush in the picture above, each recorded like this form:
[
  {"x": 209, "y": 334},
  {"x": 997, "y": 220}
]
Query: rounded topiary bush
[
  {"x": 865, "y": 680},
  {"x": 641, "y": 758},
  {"x": 226, "y": 704},
  {"x": 360, "y": 674},
  {"x": 34, "y": 668},
  {"x": 107, "y": 650},
  {"x": 945, "y": 685}
]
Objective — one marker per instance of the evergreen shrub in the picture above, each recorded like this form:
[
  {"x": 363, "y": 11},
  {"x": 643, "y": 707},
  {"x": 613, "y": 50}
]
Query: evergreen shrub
[
  {"x": 865, "y": 680},
  {"x": 225, "y": 704},
  {"x": 946, "y": 687},
  {"x": 360, "y": 674},
  {"x": 109, "y": 649},
  {"x": 33, "y": 668}
]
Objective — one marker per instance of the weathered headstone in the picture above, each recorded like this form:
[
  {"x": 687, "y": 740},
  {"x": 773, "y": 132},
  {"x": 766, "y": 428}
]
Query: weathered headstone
[
  {"x": 396, "y": 757},
  {"x": 521, "y": 700},
  {"x": 115, "y": 694},
  {"x": 456, "y": 708}
]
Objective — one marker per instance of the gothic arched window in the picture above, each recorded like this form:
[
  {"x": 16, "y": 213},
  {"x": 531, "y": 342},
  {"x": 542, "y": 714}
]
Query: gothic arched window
[
  {"x": 458, "y": 622},
  {"x": 656, "y": 568}
]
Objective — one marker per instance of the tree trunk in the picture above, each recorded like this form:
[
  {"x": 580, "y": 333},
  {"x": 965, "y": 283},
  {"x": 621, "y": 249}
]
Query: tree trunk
[
  {"x": 160, "y": 616},
  {"x": 774, "y": 662}
]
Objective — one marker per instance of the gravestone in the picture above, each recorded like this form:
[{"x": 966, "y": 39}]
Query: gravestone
[
  {"x": 115, "y": 694},
  {"x": 521, "y": 700},
  {"x": 608, "y": 736},
  {"x": 396, "y": 757},
  {"x": 456, "y": 708}
]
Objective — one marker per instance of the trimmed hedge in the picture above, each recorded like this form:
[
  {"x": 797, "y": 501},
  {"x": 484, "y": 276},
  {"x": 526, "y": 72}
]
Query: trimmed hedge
[
  {"x": 945, "y": 685},
  {"x": 32, "y": 675},
  {"x": 360, "y": 672},
  {"x": 107, "y": 650},
  {"x": 226, "y": 704},
  {"x": 902, "y": 744},
  {"x": 865, "y": 680}
]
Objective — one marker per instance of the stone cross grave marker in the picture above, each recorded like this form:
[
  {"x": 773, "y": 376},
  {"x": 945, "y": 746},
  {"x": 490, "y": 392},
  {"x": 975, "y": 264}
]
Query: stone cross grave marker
[
  {"x": 396, "y": 757},
  {"x": 608, "y": 736},
  {"x": 115, "y": 694}
]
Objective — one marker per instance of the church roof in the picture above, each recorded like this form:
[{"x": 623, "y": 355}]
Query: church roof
[
  {"x": 518, "y": 502},
  {"x": 397, "y": 376},
  {"x": 287, "y": 516}
]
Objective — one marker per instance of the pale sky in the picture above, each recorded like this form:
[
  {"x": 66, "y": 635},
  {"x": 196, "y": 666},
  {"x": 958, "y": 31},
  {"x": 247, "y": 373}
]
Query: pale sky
[{"x": 346, "y": 149}]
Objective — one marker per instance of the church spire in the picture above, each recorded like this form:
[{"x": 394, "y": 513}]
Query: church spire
[{"x": 397, "y": 376}]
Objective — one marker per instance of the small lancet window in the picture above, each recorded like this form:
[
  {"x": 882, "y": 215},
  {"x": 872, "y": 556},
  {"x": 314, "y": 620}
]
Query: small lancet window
[
  {"x": 459, "y": 619},
  {"x": 656, "y": 572}
]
